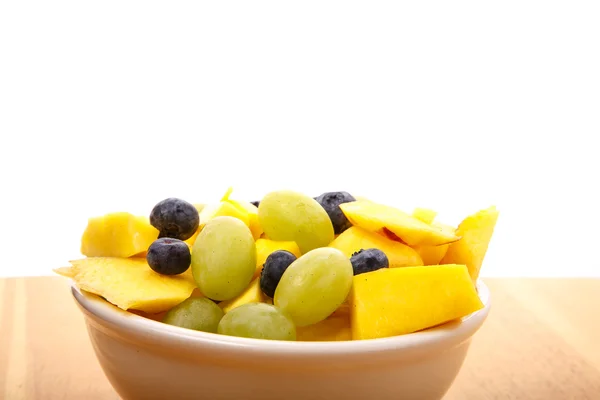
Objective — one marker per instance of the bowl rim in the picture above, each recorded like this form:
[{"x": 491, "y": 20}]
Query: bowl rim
[{"x": 128, "y": 323}]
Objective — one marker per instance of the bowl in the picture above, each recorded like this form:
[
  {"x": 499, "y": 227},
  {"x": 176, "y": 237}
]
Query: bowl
[{"x": 146, "y": 359}]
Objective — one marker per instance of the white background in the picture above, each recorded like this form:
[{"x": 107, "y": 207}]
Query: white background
[{"x": 115, "y": 105}]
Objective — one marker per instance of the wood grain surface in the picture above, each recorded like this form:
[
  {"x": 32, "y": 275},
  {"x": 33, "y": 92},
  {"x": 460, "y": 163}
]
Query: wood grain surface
[{"x": 541, "y": 341}]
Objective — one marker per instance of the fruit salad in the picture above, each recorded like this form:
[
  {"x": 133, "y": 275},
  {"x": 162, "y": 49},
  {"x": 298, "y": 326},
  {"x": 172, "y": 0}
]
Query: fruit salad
[{"x": 288, "y": 267}]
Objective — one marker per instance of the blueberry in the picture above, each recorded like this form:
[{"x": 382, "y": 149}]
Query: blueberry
[
  {"x": 256, "y": 203},
  {"x": 273, "y": 269},
  {"x": 331, "y": 201},
  {"x": 368, "y": 260},
  {"x": 175, "y": 218},
  {"x": 169, "y": 256}
]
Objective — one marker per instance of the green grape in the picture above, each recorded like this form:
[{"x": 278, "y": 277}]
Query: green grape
[
  {"x": 314, "y": 286},
  {"x": 223, "y": 258},
  {"x": 258, "y": 321},
  {"x": 198, "y": 313},
  {"x": 290, "y": 216}
]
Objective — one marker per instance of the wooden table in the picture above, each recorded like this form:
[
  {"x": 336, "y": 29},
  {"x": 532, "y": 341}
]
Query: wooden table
[{"x": 541, "y": 341}]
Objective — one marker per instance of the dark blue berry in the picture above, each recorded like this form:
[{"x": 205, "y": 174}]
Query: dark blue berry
[
  {"x": 273, "y": 269},
  {"x": 256, "y": 203},
  {"x": 175, "y": 218},
  {"x": 368, "y": 260},
  {"x": 169, "y": 256},
  {"x": 331, "y": 201}
]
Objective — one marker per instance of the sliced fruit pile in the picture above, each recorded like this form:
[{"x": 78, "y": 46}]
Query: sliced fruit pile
[{"x": 290, "y": 267}]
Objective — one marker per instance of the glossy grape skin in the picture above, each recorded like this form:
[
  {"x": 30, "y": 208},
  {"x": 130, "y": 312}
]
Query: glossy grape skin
[
  {"x": 198, "y": 313},
  {"x": 291, "y": 216},
  {"x": 314, "y": 286},
  {"x": 223, "y": 258},
  {"x": 257, "y": 321}
]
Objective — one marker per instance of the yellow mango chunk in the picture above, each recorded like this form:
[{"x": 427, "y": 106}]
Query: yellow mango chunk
[
  {"x": 424, "y": 214},
  {"x": 222, "y": 209},
  {"x": 410, "y": 230},
  {"x": 252, "y": 294},
  {"x": 264, "y": 247},
  {"x": 119, "y": 234},
  {"x": 354, "y": 239},
  {"x": 397, "y": 301},
  {"x": 69, "y": 272},
  {"x": 242, "y": 210},
  {"x": 130, "y": 283},
  {"x": 476, "y": 231},
  {"x": 431, "y": 255},
  {"x": 248, "y": 208},
  {"x": 332, "y": 329},
  {"x": 190, "y": 241},
  {"x": 343, "y": 309},
  {"x": 252, "y": 212}
]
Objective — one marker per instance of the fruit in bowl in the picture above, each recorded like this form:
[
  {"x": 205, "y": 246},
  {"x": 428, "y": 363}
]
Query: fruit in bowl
[{"x": 293, "y": 275}]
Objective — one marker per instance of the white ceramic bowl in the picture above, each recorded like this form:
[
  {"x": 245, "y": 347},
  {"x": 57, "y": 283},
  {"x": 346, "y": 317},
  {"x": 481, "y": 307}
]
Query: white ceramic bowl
[{"x": 145, "y": 359}]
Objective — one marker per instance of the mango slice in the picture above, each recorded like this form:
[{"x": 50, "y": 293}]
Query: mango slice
[
  {"x": 397, "y": 301},
  {"x": 118, "y": 234},
  {"x": 130, "y": 283},
  {"x": 424, "y": 214},
  {"x": 332, "y": 329},
  {"x": 252, "y": 294},
  {"x": 379, "y": 218},
  {"x": 431, "y": 255},
  {"x": 190, "y": 241},
  {"x": 264, "y": 247},
  {"x": 476, "y": 231},
  {"x": 222, "y": 209},
  {"x": 353, "y": 239},
  {"x": 252, "y": 212},
  {"x": 242, "y": 210}
]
